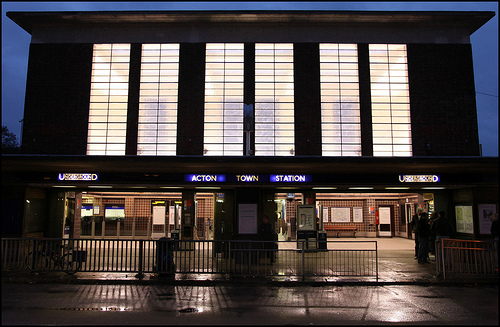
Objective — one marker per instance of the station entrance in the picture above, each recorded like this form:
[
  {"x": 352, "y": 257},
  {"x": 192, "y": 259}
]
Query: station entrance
[{"x": 233, "y": 214}]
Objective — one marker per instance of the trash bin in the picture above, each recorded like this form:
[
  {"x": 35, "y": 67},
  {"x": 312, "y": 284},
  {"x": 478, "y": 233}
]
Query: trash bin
[
  {"x": 312, "y": 239},
  {"x": 175, "y": 237},
  {"x": 322, "y": 240},
  {"x": 301, "y": 238},
  {"x": 165, "y": 256}
]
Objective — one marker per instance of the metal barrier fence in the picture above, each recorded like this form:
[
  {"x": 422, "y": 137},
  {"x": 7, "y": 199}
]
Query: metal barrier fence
[
  {"x": 465, "y": 257},
  {"x": 168, "y": 256}
]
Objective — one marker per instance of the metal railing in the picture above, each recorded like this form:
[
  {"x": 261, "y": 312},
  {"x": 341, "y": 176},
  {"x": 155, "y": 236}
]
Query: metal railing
[
  {"x": 461, "y": 257},
  {"x": 237, "y": 258}
]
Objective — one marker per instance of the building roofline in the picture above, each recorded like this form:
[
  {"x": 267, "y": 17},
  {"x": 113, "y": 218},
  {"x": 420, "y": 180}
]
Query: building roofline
[{"x": 473, "y": 20}]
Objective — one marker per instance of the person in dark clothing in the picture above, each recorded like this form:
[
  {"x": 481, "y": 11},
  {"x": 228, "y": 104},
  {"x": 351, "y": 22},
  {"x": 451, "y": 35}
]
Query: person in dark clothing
[
  {"x": 267, "y": 234},
  {"x": 423, "y": 233},
  {"x": 432, "y": 238},
  {"x": 413, "y": 225},
  {"x": 441, "y": 228}
]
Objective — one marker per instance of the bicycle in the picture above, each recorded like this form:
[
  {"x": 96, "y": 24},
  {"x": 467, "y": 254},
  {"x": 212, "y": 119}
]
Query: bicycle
[{"x": 68, "y": 261}]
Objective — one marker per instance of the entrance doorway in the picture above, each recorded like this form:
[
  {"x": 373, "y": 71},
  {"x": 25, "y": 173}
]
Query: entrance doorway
[{"x": 385, "y": 219}]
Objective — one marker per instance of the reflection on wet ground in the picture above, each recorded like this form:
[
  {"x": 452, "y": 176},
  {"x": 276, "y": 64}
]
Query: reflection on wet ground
[{"x": 254, "y": 304}]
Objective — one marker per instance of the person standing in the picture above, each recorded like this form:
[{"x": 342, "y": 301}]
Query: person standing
[
  {"x": 441, "y": 228},
  {"x": 267, "y": 234},
  {"x": 432, "y": 239},
  {"x": 413, "y": 226},
  {"x": 423, "y": 232}
]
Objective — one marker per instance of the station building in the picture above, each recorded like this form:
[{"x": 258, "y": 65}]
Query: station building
[{"x": 137, "y": 124}]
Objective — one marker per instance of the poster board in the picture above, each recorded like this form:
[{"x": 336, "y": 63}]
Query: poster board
[
  {"x": 486, "y": 212},
  {"x": 171, "y": 215},
  {"x": 247, "y": 218},
  {"x": 341, "y": 215},
  {"x": 87, "y": 210},
  {"x": 385, "y": 215},
  {"x": 463, "y": 214},
  {"x": 114, "y": 212},
  {"x": 306, "y": 217},
  {"x": 325, "y": 214},
  {"x": 159, "y": 215},
  {"x": 357, "y": 214}
]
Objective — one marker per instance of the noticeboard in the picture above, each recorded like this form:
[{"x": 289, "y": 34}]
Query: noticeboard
[
  {"x": 247, "y": 214},
  {"x": 306, "y": 217}
]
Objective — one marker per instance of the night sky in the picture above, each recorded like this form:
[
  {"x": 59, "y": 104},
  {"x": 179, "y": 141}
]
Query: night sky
[{"x": 15, "y": 47}]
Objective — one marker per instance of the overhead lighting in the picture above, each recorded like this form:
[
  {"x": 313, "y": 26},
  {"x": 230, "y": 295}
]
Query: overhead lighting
[
  {"x": 324, "y": 188},
  {"x": 64, "y": 186},
  {"x": 433, "y": 188},
  {"x": 171, "y": 187},
  {"x": 99, "y": 186},
  {"x": 397, "y": 188},
  {"x": 361, "y": 188},
  {"x": 207, "y": 188}
]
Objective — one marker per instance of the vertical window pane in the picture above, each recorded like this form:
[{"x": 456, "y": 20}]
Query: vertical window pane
[
  {"x": 274, "y": 100},
  {"x": 340, "y": 116},
  {"x": 223, "y": 126},
  {"x": 157, "y": 128},
  {"x": 108, "y": 100},
  {"x": 390, "y": 100}
]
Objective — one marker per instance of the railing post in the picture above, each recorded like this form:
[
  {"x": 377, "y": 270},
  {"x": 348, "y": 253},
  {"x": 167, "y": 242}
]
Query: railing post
[
  {"x": 230, "y": 267},
  {"x": 443, "y": 259},
  {"x": 140, "y": 274},
  {"x": 303, "y": 261},
  {"x": 376, "y": 260}
]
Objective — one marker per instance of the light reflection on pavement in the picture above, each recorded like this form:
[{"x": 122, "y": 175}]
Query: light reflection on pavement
[{"x": 248, "y": 303}]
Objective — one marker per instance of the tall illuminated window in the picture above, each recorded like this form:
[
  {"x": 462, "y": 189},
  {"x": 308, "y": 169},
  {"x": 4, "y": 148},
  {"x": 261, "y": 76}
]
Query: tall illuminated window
[
  {"x": 108, "y": 100},
  {"x": 274, "y": 100},
  {"x": 223, "y": 126},
  {"x": 157, "y": 128},
  {"x": 340, "y": 113},
  {"x": 390, "y": 100}
]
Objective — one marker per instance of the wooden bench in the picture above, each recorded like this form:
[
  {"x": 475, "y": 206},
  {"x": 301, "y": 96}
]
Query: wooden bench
[{"x": 341, "y": 229}]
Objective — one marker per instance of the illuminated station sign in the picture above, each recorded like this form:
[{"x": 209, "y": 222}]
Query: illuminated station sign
[
  {"x": 246, "y": 178},
  {"x": 418, "y": 178},
  {"x": 77, "y": 177},
  {"x": 290, "y": 178},
  {"x": 204, "y": 178}
]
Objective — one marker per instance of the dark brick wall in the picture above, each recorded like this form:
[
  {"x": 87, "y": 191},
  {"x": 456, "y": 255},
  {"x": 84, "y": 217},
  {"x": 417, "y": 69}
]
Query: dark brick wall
[
  {"x": 365, "y": 100},
  {"x": 57, "y": 99},
  {"x": 442, "y": 93},
  {"x": 191, "y": 99},
  {"x": 443, "y": 103},
  {"x": 307, "y": 99}
]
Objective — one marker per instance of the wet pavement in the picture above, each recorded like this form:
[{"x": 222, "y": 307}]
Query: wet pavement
[
  {"x": 244, "y": 303},
  {"x": 396, "y": 265},
  {"x": 405, "y": 293}
]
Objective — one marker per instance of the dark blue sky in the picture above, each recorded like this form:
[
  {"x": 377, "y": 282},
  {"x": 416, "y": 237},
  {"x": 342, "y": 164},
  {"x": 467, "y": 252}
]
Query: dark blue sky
[{"x": 15, "y": 46}]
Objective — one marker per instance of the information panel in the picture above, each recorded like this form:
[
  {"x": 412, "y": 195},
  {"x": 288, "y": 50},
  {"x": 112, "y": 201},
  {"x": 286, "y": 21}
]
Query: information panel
[
  {"x": 306, "y": 217},
  {"x": 464, "y": 219},
  {"x": 357, "y": 214},
  {"x": 247, "y": 218},
  {"x": 486, "y": 212},
  {"x": 159, "y": 212},
  {"x": 341, "y": 215}
]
